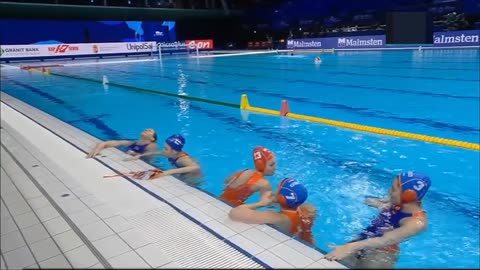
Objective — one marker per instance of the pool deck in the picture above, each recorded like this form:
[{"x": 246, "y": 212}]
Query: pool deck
[{"x": 57, "y": 210}]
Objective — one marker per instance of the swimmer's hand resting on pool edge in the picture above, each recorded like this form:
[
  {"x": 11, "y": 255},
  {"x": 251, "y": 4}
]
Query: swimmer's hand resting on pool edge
[
  {"x": 107, "y": 144},
  {"x": 93, "y": 154}
]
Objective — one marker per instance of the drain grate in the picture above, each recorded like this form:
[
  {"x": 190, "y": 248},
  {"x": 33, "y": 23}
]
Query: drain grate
[{"x": 188, "y": 244}]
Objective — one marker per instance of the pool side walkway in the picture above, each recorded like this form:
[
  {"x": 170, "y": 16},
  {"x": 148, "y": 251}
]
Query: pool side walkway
[{"x": 57, "y": 210}]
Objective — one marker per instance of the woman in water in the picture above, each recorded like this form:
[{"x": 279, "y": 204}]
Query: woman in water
[
  {"x": 146, "y": 144},
  {"x": 401, "y": 217},
  {"x": 294, "y": 217},
  {"x": 243, "y": 184},
  {"x": 186, "y": 168}
]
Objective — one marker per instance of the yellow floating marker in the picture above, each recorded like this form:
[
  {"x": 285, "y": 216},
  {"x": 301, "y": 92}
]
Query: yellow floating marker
[
  {"x": 245, "y": 105},
  {"x": 394, "y": 133},
  {"x": 244, "y": 102}
]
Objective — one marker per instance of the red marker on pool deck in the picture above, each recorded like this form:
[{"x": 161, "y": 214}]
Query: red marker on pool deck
[
  {"x": 142, "y": 175},
  {"x": 120, "y": 174}
]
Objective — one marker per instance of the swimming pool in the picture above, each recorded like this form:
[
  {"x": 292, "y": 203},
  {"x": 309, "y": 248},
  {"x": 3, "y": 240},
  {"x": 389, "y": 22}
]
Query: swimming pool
[{"x": 429, "y": 92}]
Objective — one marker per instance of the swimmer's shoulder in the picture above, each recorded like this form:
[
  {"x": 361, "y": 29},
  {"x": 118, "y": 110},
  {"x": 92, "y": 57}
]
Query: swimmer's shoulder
[
  {"x": 246, "y": 174},
  {"x": 152, "y": 147},
  {"x": 185, "y": 156},
  {"x": 239, "y": 178},
  {"x": 418, "y": 221}
]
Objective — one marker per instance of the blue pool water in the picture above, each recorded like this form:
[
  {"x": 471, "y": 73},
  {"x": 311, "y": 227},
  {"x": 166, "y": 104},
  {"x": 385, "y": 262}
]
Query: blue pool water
[{"x": 430, "y": 92}]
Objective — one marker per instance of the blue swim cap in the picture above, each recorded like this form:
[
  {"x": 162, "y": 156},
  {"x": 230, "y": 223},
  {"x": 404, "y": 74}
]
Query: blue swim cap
[
  {"x": 291, "y": 193},
  {"x": 414, "y": 186},
  {"x": 176, "y": 142}
]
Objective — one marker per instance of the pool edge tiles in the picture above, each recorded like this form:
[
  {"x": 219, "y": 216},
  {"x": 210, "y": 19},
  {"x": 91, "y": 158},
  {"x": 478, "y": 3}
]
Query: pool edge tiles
[{"x": 278, "y": 253}]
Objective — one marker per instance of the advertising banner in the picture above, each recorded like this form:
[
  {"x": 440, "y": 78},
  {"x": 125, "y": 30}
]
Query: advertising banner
[
  {"x": 67, "y": 49},
  {"x": 46, "y": 50},
  {"x": 442, "y": 39},
  {"x": 457, "y": 38},
  {"x": 202, "y": 44},
  {"x": 307, "y": 43},
  {"x": 177, "y": 45},
  {"x": 74, "y": 49},
  {"x": 360, "y": 42},
  {"x": 353, "y": 42},
  {"x": 13, "y": 51},
  {"x": 134, "y": 47}
]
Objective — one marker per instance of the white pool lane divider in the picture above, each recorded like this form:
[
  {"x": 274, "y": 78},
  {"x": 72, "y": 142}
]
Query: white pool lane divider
[
  {"x": 86, "y": 63},
  {"x": 97, "y": 62},
  {"x": 242, "y": 53}
]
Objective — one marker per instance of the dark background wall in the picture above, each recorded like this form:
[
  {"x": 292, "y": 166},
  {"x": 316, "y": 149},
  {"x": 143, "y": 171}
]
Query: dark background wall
[
  {"x": 409, "y": 28},
  {"x": 253, "y": 20},
  {"x": 190, "y": 24},
  {"x": 14, "y": 31},
  {"x": 222, "y": 30}
]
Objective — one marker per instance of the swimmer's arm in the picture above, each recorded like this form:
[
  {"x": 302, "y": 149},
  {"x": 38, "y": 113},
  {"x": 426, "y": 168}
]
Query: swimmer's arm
[
  {"x": 188, "y": 166},
  {"x": 264, "y": 186},
  {"x": 102, "y": 145},
  {"x": 378, "y": 202},
  {"x": 411, "y": 227},
  {"x": 408, "y": 229},
  {"x": 246, "y": 213}
]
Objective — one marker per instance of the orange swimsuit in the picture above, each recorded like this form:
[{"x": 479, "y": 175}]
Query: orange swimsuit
[
  {"x": 300, "y": 225},
  {"x": 238, "y": 195}
]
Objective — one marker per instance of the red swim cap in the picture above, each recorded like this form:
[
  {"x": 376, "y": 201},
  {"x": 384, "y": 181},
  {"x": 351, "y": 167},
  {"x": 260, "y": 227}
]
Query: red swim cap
[{"x": 261, "y": 156}]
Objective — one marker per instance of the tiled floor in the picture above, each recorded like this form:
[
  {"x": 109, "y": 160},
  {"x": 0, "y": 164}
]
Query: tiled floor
[{"x": 60, "y": 212}]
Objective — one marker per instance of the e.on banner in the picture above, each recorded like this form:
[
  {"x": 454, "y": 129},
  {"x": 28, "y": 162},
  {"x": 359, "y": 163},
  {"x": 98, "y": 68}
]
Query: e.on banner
[{"x": 202, "y": 44}]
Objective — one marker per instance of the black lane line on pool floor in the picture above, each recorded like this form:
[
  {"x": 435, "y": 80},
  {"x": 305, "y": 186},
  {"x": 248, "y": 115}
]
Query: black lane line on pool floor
[
  {"x": 94, "y": 120},
  {"x": 335, "y": 73},
  {"x": 355, "y": 110},
  {"x": 353, "y": 64},
  {"x": 305, "y": 81}
]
